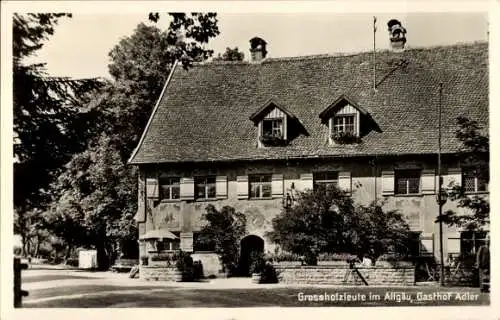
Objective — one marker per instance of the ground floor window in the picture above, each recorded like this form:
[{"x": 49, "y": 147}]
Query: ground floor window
[
  {"x": 201, "y": 243},
  {"x": 326, "y": 179},
  {"x": 470, "y": 241}
]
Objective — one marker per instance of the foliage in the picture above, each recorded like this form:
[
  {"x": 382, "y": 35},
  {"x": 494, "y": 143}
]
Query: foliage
[
  {"x": 272, "y": 139},
  {"x": 230, "y": 55},
  {"x": 97, "y": 188},
  {"x": 325, "y": 256},
  {"x": 257, "y": 262},
  {"x": 475, "y": 152},
  {"x": 52, "y": 120},
  {"x": 345, "y": 138},
  {"x": 326, "y": 220},
  {"x": 224, "y": 228},
  {"x": 269, "y": 273}
]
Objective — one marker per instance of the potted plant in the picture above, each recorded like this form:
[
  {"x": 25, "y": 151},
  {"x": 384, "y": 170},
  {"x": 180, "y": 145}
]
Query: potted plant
[
  {"x": 345, "y": 138},
  {"x": 257, "y": 266},
  {"x": 272, "y": 139}
]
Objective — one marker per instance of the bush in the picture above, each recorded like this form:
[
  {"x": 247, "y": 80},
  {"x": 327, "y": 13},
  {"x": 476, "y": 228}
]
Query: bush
[
  {"x": 257, "y": 262},
  {"x": 268, "y": 274},
  {"x": 72, "y": 262},
  {"x": 191, "y": 271},
  {"x": 285, "y": 256},
  {"x": 325, "y": 256}
]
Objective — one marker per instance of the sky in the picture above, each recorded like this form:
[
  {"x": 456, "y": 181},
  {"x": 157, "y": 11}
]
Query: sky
[{"x": 79, "y": 48}]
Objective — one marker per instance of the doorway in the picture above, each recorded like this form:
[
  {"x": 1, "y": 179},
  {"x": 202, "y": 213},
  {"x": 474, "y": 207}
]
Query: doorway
[{"x": 248, "y": 246}]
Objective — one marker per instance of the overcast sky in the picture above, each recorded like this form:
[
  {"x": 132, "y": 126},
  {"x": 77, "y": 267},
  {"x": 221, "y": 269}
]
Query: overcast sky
[{"x": 80, "y": 46}]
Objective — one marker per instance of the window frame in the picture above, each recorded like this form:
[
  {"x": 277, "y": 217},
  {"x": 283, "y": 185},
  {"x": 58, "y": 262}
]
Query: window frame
[
  {"x": 206, "y": 186},
  {"x": 170, "y": 186},
  {"x": 344, "y": 125},
  {"x": 398, "y": 174},
  {"x": 273, "y": 121},
  {"x": 471, "y": 172},
  {"x": 325, "y": 182},
  {"x": 196, "y": 234},
  {"x": 477, "y": 239},
  {"x": 260, "y": 184}
]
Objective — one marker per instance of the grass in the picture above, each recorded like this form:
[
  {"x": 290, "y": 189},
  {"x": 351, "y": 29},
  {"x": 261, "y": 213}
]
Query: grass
[{"x": 268, "y": 297}]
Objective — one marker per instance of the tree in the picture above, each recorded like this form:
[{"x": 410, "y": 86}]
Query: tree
[
  {"x": 49, "y": 115},
  {"x": 224, "y": 229},
  {"x": 475, "y": 153},
  {"x": 231, "y": 55},
  {"x": 98, "y": 180},
  {"x": 326, "y": 220}
]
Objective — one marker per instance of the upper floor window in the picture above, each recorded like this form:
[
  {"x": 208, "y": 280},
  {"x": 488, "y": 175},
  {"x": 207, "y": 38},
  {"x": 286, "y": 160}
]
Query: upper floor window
[
  {"x": 272, "y": 128},
  {"x": 407, "y": 181},
  {"x": 326, "y": 179},
  {"x": 473, "y": 181},
  {"x": 204, "y": 187},
  {"x": 344, "y": 123},
  {"x": 170, "y": 188},
  {"x": 260, "y": 186}
]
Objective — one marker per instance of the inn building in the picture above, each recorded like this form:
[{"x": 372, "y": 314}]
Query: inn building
[{"x": 251, "y": 134}]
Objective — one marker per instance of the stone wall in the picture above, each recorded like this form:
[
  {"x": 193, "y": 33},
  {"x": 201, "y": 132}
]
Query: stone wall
[
  {"x": 158, "y": 273},
  {"x": 336, "y": 275},
  {"x": 211, "y": 263}
]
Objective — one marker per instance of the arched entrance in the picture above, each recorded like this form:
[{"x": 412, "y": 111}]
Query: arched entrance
[{"x": 248, "y": 246}]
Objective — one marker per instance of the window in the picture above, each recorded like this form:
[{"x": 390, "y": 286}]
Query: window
[
  {"x": 407, "y": 181},
  {"x": 470, "y": 241},
  {"x": 272, "y": 128},
  {"x": 344, "y": 123},
  {"x": 170, "y": 188},
  {"x": 472, "y": 181},
  {"x": 204, "y": 187},
  {"x": 260, "y": 186},
  {"x": 202, "y": 244},
  {"x": 326, "y": 179}
]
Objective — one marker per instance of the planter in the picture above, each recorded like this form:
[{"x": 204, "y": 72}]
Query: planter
[{"x": 256, "y": 277}]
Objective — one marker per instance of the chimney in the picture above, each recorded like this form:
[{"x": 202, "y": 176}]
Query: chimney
[
  {"x": 397, "y": 35},
  {"x": 257, "y": 49}
]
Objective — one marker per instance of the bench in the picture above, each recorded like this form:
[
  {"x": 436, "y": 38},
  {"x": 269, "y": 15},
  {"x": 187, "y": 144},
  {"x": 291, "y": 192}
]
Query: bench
[{"x": 124, "y": 265}]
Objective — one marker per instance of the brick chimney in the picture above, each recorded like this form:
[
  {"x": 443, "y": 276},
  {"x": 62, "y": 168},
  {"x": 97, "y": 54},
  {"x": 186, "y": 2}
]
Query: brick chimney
[
  {"x": 258, "y": 49},
  {"x": 397, "y": 35}
]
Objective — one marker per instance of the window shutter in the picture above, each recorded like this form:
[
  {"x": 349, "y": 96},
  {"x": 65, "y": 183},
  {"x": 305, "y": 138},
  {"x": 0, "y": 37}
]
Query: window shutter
[
  {"x": 140, "y": 216},
  {"x": 221, "y": 186},
  {"x": 152, "y": 188},
  {"x": 388, "y": 182},
  {"x": 277, "y": 185},
  {"x": 454, "y": 175},
  {"x": 187, "y": 241},
  {"x": 345, "y": 181},
  {"x": 427, "y": 244},
  {"x": 187, "y": 188},
  {"x": 306, "y": 181},
  {"x": 453, "y": 243},
  {"x": 428, "y": 181},
  {"x": 242, "y": 187}
]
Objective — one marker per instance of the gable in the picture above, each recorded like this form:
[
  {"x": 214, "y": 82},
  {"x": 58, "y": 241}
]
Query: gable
[{"x": 204, "y": 113}]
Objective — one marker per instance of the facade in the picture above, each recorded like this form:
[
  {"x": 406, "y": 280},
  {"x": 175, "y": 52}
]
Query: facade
[{"x": 252, "y": 134}]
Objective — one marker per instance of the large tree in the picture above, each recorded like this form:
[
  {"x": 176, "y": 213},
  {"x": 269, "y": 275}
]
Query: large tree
[
  {"x": 231, "y": 55},
  {"x": 474, "y": 153},
  {"x": 327, "y": 220},
  {"x": 98, "y": 183},
  {"x": 51, "y": 120}
]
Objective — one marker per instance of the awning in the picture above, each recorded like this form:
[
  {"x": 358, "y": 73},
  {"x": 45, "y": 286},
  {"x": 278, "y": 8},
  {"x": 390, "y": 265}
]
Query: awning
[{"x": 158, "y": 234}]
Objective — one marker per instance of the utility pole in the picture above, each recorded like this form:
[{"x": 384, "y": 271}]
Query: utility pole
[
  {"x": 374, "y": 52},
  {"x": 440, "y": 198}
]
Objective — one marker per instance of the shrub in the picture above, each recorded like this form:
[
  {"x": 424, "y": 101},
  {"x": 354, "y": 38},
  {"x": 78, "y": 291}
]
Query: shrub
[
  {"x": 257, "y": 262},
  {"x": 191, "y": 271},
  {"x": 285, "y": 256},
  {"x": 345, "y": 138},
  {"x": 325, "y": 256},
  {"x": 268, "y": 274}
]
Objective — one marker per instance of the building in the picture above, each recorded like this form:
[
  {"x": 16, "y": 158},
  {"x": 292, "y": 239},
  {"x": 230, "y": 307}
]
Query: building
[{"x": 247, "y": 134}]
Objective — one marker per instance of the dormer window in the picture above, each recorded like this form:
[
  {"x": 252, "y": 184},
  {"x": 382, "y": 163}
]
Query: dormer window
[
  {"x": 272, "y": 121},
  {"x": 343, "y": 118}
]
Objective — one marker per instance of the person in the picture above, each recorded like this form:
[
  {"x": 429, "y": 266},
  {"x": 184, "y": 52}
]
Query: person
[{"x": 483, "y": 264}]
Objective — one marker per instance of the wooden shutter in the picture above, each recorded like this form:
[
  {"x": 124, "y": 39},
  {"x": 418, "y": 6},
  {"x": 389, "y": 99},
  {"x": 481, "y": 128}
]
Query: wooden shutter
[
  {"x": 140, "y": 216},
  {"x": 221, "y": 186},
  {"x": 454, "y": 175},
  {"x": 345, "y": 181},
  {"x": 388, "y": 182},
  {"x": 428, "y": 181},
  {"x": 453, "y": 242},
  {"x": 306, "y": 182},
  {"x": 277, "y": 185},
  {"x": 427, "y": 244},
  {"x": 152, "y": 188},
  {"x": 242, "y": 187},
  {"x": 187, "y": 188},
  {"x": 187, "y": 241}
]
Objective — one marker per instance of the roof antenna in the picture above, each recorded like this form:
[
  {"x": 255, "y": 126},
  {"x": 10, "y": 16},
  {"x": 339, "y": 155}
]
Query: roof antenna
[{"x": 374, "y": 52}]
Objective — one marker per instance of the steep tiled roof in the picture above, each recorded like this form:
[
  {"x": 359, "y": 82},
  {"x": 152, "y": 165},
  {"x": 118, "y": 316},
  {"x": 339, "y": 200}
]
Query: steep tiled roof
[{"x": 204, "y": 112}]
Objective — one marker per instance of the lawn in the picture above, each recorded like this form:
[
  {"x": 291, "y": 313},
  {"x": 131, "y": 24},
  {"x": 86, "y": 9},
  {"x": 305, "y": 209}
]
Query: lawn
[{"x": 284, "y": 297}]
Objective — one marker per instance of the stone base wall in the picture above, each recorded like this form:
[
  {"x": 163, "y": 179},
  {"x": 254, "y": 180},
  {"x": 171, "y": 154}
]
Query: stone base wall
[
  {"x": 336, "y": 275},
  {"x": 158, "y": 273}
]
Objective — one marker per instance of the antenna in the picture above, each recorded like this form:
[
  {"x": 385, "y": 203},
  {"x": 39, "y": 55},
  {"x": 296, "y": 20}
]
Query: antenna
[{"x": 374, "y": 52}]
